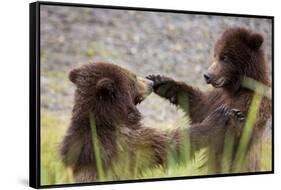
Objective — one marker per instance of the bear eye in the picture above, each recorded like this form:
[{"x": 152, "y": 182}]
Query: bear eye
[{"x": 225, "y": 58}]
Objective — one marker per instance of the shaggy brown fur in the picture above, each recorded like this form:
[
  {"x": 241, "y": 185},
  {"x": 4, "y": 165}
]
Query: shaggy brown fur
[
  {"x": 111, "y": 94},
  {"x": 237, "y": 54}
]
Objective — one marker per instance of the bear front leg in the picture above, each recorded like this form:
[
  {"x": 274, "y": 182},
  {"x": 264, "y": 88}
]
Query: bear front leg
[
  {"x": 212, "y": 130},
  {"x": 214, "y": 126},
  {"x": 178, "y": 93}
]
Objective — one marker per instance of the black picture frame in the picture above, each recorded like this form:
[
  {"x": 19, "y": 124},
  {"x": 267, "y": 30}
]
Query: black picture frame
[{"x": 34, "y": 97}]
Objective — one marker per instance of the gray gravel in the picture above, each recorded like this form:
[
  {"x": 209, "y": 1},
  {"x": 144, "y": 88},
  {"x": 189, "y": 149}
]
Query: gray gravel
[{"x": 177, "y": 45}]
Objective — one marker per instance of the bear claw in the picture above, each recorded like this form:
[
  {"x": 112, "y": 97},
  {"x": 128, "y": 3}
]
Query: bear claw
[{"x": 237, "y": 114}]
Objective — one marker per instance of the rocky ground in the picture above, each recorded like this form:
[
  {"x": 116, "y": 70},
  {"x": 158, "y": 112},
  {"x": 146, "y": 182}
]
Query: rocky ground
[{"x": 177, "y": 45}]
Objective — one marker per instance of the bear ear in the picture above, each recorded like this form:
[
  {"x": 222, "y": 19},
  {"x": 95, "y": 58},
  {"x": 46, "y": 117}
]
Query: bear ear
[
  {"x": 105, "y": 88},
  {"x": 73, "y": 74},
  {"x": 255, "y": 41}
]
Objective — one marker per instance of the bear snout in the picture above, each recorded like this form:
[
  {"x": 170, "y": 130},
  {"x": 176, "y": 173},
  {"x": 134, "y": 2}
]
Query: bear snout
[
  {"x": 208, "y": 78},
  {"x": 145, "y": 86}
]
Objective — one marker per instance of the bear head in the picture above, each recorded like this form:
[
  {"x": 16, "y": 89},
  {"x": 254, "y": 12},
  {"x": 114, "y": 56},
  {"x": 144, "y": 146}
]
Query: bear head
[
  {"x": 108, "y": 91},
  {"x": 237, "y": 54}
]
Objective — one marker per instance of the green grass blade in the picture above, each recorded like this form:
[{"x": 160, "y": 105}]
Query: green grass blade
[
  {"x": 247, "y": 132},
  {"x": 96, "y": 147}
]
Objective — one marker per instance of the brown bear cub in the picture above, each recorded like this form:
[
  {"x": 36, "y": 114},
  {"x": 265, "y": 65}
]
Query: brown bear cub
[
  {"x": 110, "y": 94},
  {"x": 238, "y": 55}
]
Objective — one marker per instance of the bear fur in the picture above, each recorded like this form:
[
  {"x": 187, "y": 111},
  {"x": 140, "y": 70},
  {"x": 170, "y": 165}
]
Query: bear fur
[
  {"x": 111, "y": 94},
  {"x": 238, "y": 55}
]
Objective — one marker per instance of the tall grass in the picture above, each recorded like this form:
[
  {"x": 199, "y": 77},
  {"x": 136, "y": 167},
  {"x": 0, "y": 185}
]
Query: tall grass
[
  {"x": 96, "y": 147},
  {"x": 179, "y": 163},
  {"x": 53, "y": 129},
  {"x": 247, "y": 132}
]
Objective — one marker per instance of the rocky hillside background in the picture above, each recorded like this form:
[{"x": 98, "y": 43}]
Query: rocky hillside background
[{"x": 177, "y": 45}]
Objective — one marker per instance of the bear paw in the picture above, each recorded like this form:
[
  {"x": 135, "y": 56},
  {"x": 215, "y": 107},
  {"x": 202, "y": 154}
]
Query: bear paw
[
  {"x": 164, "y": 87},
  {"x": 159, "y": 80}
]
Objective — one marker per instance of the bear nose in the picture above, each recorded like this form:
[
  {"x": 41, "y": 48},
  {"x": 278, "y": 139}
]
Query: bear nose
[{"x": 207, "y": 78}]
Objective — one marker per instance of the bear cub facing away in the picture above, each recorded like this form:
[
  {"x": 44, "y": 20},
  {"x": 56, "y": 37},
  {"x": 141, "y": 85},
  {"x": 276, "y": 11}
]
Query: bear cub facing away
[
  {"x": 238, "y": 55},
  {"x": 111, "y": 94}
]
